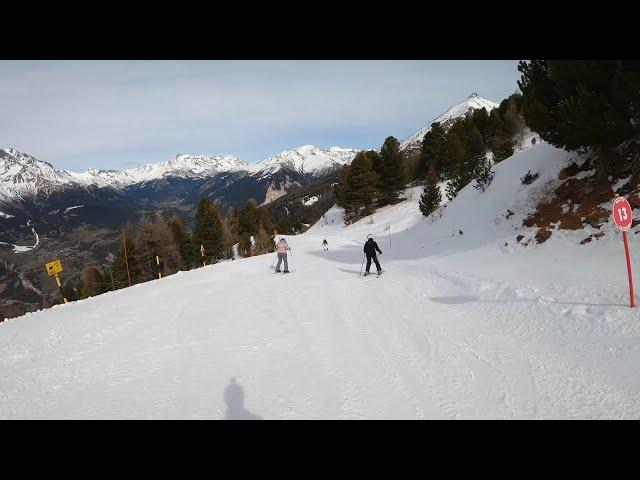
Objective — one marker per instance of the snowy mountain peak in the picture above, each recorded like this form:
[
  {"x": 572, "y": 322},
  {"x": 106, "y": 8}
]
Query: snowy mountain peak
[
  {"x": 22, "y": 175},
  {"x": 307, "y": 159},
  {"x": 472, "y": 102}
]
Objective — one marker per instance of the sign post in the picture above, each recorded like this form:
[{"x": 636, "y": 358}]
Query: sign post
[
  {"x": 158, "y": 263},
  {"x": 623, "y": 218},
  {"x": 53, "y": 269}
]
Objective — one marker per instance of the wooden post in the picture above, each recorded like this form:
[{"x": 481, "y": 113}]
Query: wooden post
[
  {"x": 60, "y": 287},
  {"x": 632, "y": 301},
  {"x": 126, "y": 260},
  {"x": 158, "y": 262}
]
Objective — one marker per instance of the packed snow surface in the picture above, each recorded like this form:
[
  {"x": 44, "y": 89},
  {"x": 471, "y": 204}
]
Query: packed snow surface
[{"x": 464, "y": 323}]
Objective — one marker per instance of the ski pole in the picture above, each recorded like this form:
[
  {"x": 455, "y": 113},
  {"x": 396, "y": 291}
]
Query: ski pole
[{"x": 292, "y": 264}]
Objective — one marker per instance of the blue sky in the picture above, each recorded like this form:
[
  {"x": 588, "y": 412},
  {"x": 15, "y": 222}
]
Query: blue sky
[{"x": 121, "y": 114}]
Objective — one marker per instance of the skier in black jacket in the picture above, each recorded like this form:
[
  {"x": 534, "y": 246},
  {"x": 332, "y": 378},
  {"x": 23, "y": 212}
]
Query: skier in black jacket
[{"x": 370, "y": 248}]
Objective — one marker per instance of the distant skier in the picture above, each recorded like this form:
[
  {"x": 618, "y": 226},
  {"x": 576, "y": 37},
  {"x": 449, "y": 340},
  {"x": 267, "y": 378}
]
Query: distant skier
[
  {"x": 325, "y": 244},
  {"x": 282, "y": 248},
  {"x": 370, "y": 248}
]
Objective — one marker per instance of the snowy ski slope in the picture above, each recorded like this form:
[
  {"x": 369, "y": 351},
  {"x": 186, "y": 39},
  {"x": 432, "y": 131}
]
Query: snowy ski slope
[{"x": 460, "y": 326}]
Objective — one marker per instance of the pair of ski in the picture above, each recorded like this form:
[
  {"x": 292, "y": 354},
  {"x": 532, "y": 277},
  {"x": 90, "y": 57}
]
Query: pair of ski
[
  {"x": 370, "y": 274},
  {"x": 273, "y": 269}
]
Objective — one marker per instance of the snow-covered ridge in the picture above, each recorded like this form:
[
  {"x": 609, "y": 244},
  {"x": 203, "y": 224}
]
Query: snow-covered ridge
[
  {"x": 182, "y": 166},
  {"x": 473, "y": 102},
  {"x": 307, "y": 159}
]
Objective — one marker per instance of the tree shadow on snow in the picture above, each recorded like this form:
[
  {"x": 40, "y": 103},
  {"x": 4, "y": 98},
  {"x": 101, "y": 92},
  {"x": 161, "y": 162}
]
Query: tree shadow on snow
[{"x": 234, "y": 398}]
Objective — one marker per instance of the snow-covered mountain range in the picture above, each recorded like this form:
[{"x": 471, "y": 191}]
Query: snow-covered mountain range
[
  {"x": 182, "y": 166},
  {"x": 22, "y": 175},
  {"x": 472, "y": 102}
]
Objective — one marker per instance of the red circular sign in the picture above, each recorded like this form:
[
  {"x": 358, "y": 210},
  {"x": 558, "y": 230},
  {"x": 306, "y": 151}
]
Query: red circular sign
[{"x": 622, "y": 214}]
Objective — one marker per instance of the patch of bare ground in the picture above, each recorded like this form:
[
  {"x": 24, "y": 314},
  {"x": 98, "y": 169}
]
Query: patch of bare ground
[{"x": 578, "y": 202}]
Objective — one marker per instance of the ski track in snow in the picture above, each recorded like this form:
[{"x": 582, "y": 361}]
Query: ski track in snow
[{"x": 459, "y": 326}]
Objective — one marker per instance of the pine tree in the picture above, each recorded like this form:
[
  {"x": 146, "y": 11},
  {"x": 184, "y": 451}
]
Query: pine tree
[
  {"x": 142, "y": 254},
  {"x": 361, "y": 185},
  {"x": 164, "y": 247},
  {"x": 92, "y": 282},
  {"x": 182, "y": 239},
  {"x": 393, "y": 171},
  {"x": 475, "y": 146},
  {"x": 484, "y": 175},
  {"x": 582, "y": 104},
  {"x": 119, "y": 268},
  {"x": 244, "y": 247},
  {"x": 229, "y": 238},
  {"x": 264, "y": 242},
  {"x": 433, "y": 149},
  {"x": 513, "y": 121},
  {"x": 377, "y": 165},
  {"x": 502, "y": 146},
  {"x": 431, "y": 196},
  {"x": 207, "y": 231},
  {"x": 341, "y": 188},
  {"x": 249, "y": 218},
  {"x": 481, "y": 121}
]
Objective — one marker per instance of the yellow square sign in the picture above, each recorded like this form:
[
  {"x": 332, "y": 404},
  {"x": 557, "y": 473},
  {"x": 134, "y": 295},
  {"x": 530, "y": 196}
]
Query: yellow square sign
[{"x": 54, "y": 267}]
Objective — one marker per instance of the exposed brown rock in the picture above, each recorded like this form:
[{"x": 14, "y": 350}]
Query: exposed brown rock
[
  {"x": 543, "y": 235},
  {"x": 569, "y": 171},
  {"x": 583, "y": 198}
]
